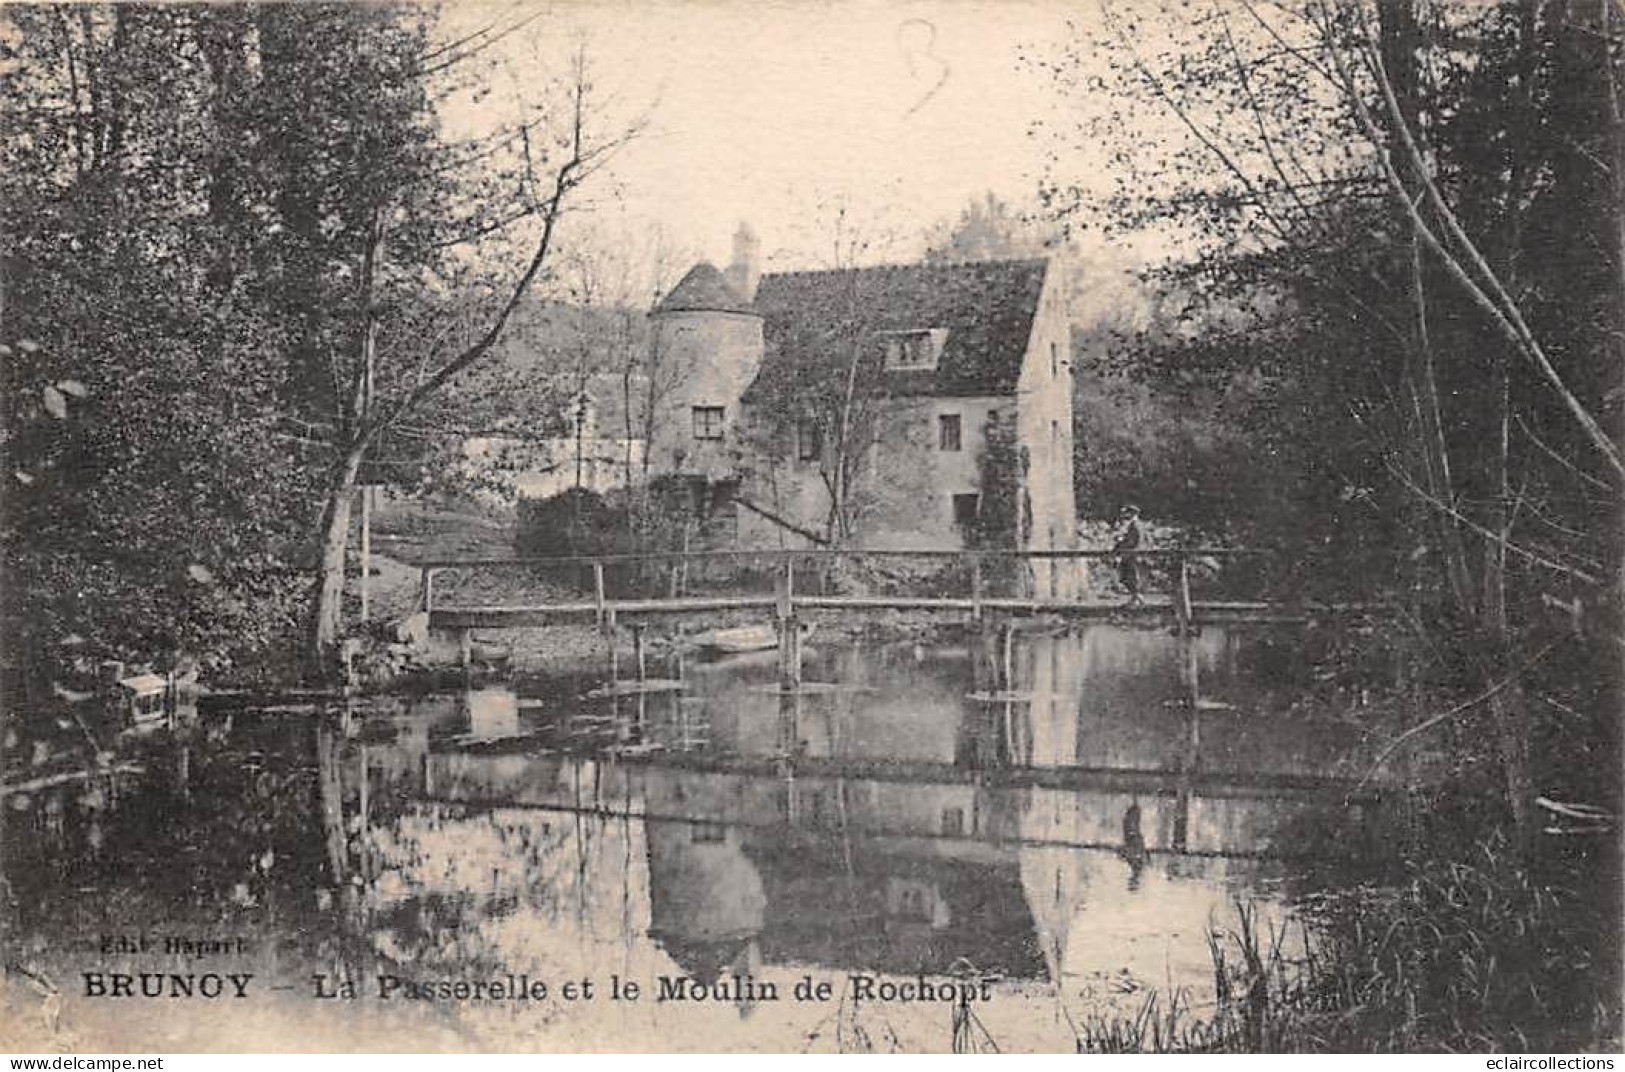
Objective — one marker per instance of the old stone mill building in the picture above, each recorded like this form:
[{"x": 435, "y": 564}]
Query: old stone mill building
[{"x": 963, "y": 419}]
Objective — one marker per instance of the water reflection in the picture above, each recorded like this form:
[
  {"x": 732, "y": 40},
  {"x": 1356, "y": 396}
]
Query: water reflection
[
  {"x": 1064, "y": 818},
  {"x": 1046, "y": 812}
]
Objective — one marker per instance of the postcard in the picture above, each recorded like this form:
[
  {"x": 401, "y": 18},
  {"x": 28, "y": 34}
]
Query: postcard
[{"x": 811, "y": 527}]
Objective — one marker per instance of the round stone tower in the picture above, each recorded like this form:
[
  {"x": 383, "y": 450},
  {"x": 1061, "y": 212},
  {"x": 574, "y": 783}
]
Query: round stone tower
[{"x": 705, "y": 349}]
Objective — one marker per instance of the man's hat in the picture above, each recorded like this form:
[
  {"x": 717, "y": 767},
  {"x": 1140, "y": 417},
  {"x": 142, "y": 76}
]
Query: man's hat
[{"x": 1131, "y": 510}]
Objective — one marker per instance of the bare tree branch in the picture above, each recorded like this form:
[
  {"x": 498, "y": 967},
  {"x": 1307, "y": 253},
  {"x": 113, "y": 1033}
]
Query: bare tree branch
[
  {"x": 1462, "y": 519},
  {"x": 454, "y": 58},
  {"x": 583, "y": 159},
  {"x": 1466, "y": 705},
  {"x": 1487, "y": 292}
]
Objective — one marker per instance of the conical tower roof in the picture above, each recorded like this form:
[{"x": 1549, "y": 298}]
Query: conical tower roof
[{"x": 703, "y": 289}]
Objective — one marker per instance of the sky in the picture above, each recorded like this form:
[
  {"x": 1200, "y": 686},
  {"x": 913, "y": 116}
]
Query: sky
[{"x": 777, "y": 113}]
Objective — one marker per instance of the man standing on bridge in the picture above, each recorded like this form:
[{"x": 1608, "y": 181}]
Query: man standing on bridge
[{"x": 1128, "y": 567}]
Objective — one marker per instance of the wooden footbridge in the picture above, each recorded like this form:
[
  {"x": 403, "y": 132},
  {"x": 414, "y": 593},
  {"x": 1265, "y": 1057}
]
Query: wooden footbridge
[
  {"x": 986, "y": 590},
  {"x": 785, "y": 583}
]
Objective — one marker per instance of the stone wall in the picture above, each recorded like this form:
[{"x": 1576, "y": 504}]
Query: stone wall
[
  {"x": 1044, "y": 427},
  {"x": 906, "y": 492}
]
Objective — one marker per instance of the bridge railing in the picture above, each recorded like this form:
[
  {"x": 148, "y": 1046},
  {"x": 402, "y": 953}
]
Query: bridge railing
[{"x": 971, "y": 579}]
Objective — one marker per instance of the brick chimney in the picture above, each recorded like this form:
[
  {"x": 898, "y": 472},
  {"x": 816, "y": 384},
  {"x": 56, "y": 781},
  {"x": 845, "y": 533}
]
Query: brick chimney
[{"x": 746, "y": 270}]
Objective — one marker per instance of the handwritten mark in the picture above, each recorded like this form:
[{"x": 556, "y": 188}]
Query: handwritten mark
[{"x": 917, "y": 40}]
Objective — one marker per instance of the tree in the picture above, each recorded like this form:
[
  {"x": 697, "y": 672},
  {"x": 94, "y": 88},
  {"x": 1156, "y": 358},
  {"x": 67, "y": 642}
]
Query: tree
[
  {"x": 989, "y": 228},
  {"x": 826, "y": 391},
  {"x": 141, "y": 382},
  {"x": 416, "y": 317},
  {"x": 1385, "y": 229},
  {"x": 250, "y": 221},
  {"x": 615, "y": 274}
]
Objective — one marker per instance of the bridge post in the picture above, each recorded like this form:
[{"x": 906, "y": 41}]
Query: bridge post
[
  {"x": 1192, "y": 758},
  {"x": 364, "y": 812},
  {"x": 606, "y": 622},
  {"x": 784, "y": 766},
  {"x": 1190, "y": 672},
  {"x": 976, "y": 586},
  {"x": 465, "y": 649},
  {"x": 985, "y": 657},
  {"x": 787, "y": 589},
  {"x": 598, "y": 591},
  {"x": 426, "y": 589},
  {"x": 1182, "y": 598},
  {"x": 789, "y": 653},
  {"x": 789, "y": 628},
  {"x": 1007, "y": 659}
]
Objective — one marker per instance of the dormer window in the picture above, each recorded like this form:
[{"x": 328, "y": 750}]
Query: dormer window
[{"x": 907, "y": 351}]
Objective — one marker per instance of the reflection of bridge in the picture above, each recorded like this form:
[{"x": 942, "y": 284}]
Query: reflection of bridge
[
  {"x": 902, "y": 864},
  {"x": 976, "y": 583},
  {"x": 1195, "y": 814},
  {"x": 1132, "y": 780},
  {"x": 1037, "y": 802},
  {"x": 999, "y": 736}
]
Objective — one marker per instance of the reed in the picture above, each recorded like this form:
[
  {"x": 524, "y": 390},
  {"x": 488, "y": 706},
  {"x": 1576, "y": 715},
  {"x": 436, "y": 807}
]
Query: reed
[{"x": 1474, "y": 954}]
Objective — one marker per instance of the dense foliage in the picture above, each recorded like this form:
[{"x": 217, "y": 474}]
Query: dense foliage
[
  {"x": 242, "y": 261},
  {"x": 1398, "y": 283},
  {"x": 576, "y": 521},
  {"x": 150, "y": 503}
]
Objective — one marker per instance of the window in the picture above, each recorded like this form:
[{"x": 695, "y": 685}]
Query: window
[
  {"x": 953, "y": 822},
  {"x": 914, "y": 349},
  {"x": 809, "y": 441},
  {"x": 1054, "y": 362},
  {"x": 707, "y": 422},
  {"x": 966, "y": 507},
  {"x": 911, "y": 903},
  {"x": 948, "y": 432},
  {"x": 707, "y": 833}
]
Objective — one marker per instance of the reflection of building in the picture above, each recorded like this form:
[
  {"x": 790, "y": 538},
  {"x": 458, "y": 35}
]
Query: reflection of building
[
  {"x": 864, "y": 903},
  {"x": 825, "y": 892},
  {"x": 705, "y": 896},
  {"x": 909, "y": 825},
  {"x": 492, "y": 714}
]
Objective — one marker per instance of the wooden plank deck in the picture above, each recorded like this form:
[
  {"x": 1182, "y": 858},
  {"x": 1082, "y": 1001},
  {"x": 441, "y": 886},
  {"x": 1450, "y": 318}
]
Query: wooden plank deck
[
  {"x": 1155, "y": 609},
  {"x": 1176, "y": 607}
]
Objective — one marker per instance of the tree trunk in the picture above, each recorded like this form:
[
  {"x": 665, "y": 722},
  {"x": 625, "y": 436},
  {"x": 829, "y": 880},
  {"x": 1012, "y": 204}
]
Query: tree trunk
[
  {"x": 1480, "y": 608},
  {"x": 1606, "y": 16},
  {"x": 1508, "y": 720},
  {"x": 1508, "y": 715},
  {"x": 327, "y": 604},
  {"x": 330, "y": 782}
]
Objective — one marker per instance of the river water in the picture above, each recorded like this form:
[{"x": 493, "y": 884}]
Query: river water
[{"x": 1043, "y": 821}]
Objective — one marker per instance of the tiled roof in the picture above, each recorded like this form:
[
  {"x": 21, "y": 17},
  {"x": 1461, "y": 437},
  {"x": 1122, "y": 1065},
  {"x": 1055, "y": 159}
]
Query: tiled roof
[
  {"x": 986, "y": 307},
  {"x": 703, "y": 290}
]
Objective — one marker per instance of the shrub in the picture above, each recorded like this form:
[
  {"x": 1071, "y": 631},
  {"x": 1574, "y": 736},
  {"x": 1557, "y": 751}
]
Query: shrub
[{"x": 576, "y": 521}]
